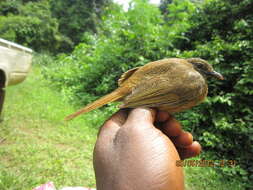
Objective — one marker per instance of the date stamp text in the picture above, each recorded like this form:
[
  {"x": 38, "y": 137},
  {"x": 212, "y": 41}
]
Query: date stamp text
[{"x": 206, "y": 163}]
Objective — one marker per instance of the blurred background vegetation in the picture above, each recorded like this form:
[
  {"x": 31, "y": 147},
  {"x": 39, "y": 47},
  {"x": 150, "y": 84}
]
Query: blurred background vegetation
[{"x": 85, "y": 45}]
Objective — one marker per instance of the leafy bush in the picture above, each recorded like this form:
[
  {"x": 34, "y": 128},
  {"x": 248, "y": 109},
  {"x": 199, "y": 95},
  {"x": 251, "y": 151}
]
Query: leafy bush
[
  {"x": 77, "y": 17},
  {"x": 9, "y": 7},
  {"x": 51, "y": 26},
  {"x": 33, "y": 27}
]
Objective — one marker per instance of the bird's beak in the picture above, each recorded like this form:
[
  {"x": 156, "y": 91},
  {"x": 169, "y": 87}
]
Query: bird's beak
[{"x": 217, "y": 75}]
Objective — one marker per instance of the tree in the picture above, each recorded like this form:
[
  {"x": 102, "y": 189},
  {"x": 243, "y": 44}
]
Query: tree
[
  {"x": 45, "y": 25},
  {"x": 31, "y": 24},
  {"x": 164, "y": 6},
  {"x": 77, "y": 17}
]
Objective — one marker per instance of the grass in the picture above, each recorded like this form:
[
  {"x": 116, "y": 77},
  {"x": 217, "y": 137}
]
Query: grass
[
  {"x": 207, "y": 178},
  {"x": 37, "y": 146}
]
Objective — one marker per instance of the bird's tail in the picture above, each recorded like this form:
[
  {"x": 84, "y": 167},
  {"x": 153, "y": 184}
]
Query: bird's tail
[{"x": 113, "y": 96}]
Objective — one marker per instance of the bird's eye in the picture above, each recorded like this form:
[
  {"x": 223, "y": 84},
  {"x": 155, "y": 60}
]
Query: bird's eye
[{"x": 199, "y": 65}]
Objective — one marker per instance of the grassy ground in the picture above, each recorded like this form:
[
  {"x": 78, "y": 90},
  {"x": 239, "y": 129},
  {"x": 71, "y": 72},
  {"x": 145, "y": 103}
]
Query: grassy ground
[{"x": 36, "y": 146}]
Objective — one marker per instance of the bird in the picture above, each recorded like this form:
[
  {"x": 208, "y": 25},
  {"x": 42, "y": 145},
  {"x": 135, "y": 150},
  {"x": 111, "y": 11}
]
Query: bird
[{"x": 172, "y": 85}]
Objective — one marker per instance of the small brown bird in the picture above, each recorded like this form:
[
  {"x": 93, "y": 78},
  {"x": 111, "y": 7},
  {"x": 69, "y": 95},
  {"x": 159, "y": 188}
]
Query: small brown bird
[{"x": 172, "y": 85}]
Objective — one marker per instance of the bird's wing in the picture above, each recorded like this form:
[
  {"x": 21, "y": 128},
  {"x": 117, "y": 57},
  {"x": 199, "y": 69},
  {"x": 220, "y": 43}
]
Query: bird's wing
[
  {"x": 151, "y": 68},
  {"x": 126, "y": 75},
  {"x": 170, "y": 92}
]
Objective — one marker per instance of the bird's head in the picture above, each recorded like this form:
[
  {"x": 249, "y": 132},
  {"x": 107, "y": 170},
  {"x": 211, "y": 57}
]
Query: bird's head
[{"x": 204, "y": 68}]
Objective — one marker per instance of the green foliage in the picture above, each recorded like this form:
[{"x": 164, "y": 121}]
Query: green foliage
[
  {"x": 77, "y": 17},
  {"x": 10, "y": 7},
  {"x": 199, "y": 178},
  {"x": 42, "y": 60},
  {"x": 51, "y": 26},
  {"x": 33, "y": 27},
  {"x": 164, "y": 6}
]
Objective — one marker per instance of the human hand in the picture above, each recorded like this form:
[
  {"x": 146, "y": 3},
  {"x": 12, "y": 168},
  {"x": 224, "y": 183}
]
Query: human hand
[{"x": 139, "y": 150}]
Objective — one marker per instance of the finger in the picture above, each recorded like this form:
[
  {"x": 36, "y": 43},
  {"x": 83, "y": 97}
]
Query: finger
[
  {"x": 184, "y": 139},
  {"x": 141, "y": 117},
  {"x": 172, "y": 127},
  {"x": 191, "y": 151},
  {"x": 111, "y": 126},
  {"x": 162, "y": 116},
  {"x": 119, "y": 118}
]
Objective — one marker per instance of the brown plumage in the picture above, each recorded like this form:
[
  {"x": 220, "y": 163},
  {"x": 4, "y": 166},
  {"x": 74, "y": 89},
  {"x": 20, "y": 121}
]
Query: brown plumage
[{"x": 172, "y": 85}]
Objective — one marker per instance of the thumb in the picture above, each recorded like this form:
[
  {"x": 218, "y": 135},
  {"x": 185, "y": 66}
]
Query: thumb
[{"x": 141, "y": 117}]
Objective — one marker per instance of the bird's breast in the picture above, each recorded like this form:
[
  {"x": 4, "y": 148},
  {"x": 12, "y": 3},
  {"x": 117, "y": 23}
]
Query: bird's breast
[{"x": 191, "y": 89}]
